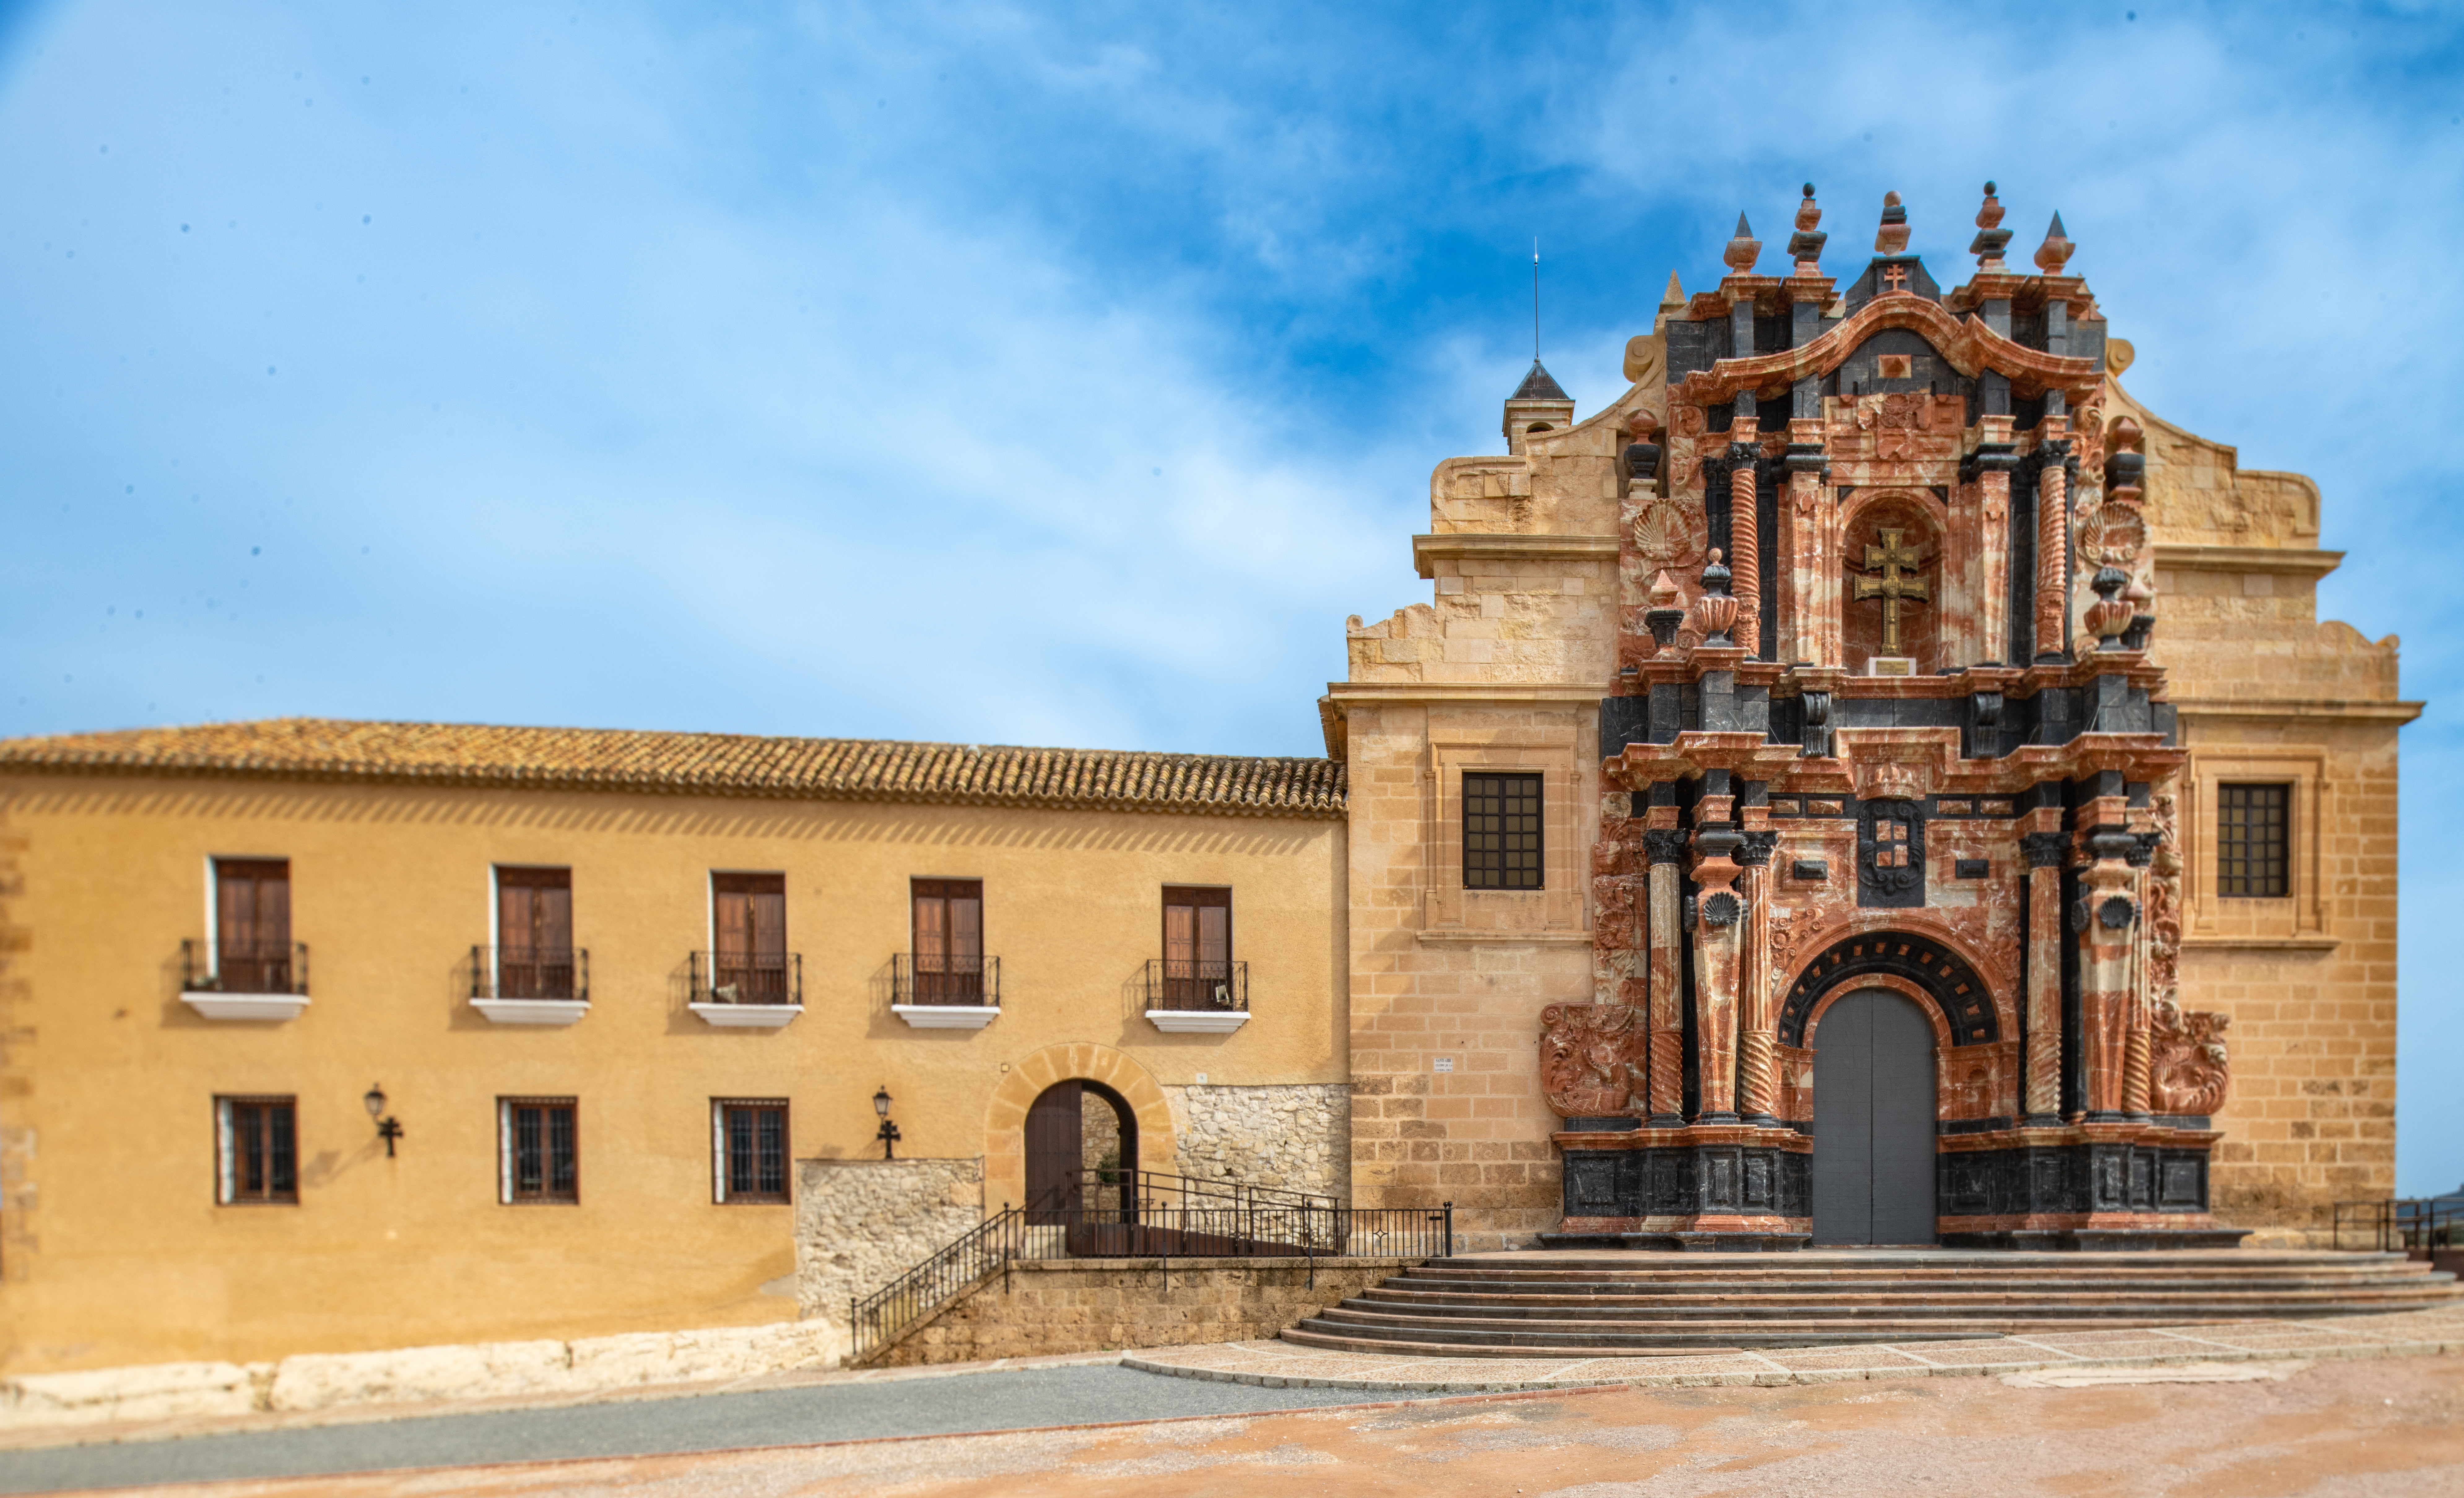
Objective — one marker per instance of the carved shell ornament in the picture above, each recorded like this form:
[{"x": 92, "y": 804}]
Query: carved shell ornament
[
  {"x": 2113, "y": 533},
  {"x": 1662, "y": 538}
]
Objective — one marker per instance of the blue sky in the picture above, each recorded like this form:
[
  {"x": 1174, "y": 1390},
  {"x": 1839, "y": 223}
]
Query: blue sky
[{"x": 1067, "y": 375}]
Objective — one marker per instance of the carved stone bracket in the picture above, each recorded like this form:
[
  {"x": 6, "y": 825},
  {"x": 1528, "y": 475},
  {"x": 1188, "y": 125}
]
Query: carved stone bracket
[
  {"x": 2190, "y": 1072},
  {"x": 1898, "y": 763}
]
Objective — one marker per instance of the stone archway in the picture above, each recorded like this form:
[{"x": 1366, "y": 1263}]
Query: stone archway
[{"x": 1028, "y": 1079}]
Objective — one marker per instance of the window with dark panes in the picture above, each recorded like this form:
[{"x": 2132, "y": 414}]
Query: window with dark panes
[
  {"x": 539, "y": 1160},
  {"x": 257, "y": 1143},
  {"x": 252, "y": 925},
  {"x": 1197, "y": 944},
  {"x": 534, "y": 933},
  {"x": 2253, "y": 841},
  {"x": 949, "y": 952},
  {"x": 752, "y": 1149},
  {"x": 1501, "y": 832},
  {"x": 749, "y": 914}
]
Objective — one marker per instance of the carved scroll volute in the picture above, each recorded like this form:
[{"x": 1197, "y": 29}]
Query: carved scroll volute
[
  {"x": 1592, "y": 1059},
  {"x": 2189, "y": 1070}
]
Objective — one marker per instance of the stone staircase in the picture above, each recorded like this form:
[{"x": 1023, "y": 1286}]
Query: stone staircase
[{"x": 1639, "y": 1304}]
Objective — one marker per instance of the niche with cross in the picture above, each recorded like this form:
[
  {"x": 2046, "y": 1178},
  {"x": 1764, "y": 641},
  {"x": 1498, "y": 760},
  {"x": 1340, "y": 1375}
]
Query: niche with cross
[{"x": 1891, "y": 590}]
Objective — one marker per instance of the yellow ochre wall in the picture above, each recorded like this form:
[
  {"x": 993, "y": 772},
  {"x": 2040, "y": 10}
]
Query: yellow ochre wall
[{"x": 114, "y": 1251}]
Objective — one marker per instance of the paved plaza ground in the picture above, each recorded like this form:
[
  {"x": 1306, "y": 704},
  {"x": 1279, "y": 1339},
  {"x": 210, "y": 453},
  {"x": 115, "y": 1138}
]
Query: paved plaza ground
[{"x": 2345, "y": 1428}]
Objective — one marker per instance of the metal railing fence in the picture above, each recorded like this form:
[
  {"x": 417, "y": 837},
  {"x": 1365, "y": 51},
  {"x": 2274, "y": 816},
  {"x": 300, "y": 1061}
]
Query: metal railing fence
[
  {"x": 275, "y": 968},
  {"x": 1193, "y": 985},
  {"x": 1164, "y": 1233},
  {"x": 530, "y": 972},
  {"x": 2401, "y": 1223},
  {"x": 959, "y": 981},
  {"x": 746, "y": 977}
]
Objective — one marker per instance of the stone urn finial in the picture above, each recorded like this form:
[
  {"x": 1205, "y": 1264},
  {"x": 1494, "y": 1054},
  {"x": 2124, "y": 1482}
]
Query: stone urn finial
[
  {"x": 1744, "y": 248},
  {"x": 2055, "y": 251},
  {"x": 1805, "y": 245},
  {"x": 1990, "y": 236},
  {"x": 1715, "y": 612},
  {"x": 1892, "y": 238}
]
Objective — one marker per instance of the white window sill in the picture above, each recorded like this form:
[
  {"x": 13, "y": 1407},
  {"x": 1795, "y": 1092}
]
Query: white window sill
[
  {"x": 531, "y": 1012},
  {"x": 947, "y": 1016},
  {"x": 1198, "y": 1022},
  {"x": 271, "y": 1008},
  {"x": 747, "y": 1016}
]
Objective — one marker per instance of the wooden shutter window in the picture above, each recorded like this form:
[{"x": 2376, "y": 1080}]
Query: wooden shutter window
[
  {"x": 750, "y": 914},
  {"x": 1501, "y": 832},
  {"x": 1197, "y": 942},
  {"x": 534, "y": 933},
  {"x": 949, "y": 930},
  {"x": 253, "y": 925}
]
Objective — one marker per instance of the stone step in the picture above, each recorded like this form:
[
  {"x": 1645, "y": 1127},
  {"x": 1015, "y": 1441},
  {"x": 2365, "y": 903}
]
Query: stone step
[
  {"x": 2250, "y": 1295},
  {"x": 2031, "y": 1315},
  {"x": 1666, "y": 1341},
  {"x": 2397, "y": 1283}
]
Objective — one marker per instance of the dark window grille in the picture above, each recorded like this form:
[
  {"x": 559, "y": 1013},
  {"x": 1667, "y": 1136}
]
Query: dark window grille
[
  {"x": 753, "y": 1151},
  {"x": 260, "y": 1149},
  {"x": 541, "y": 1162},
  {"x": 1501, "y": 832},
  {"x": 2253, "y": 841}
]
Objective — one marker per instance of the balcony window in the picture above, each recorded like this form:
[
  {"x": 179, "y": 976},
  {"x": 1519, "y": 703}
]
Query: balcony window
[
  {"x": 949, "y": 951},
  {"x": 537, "y": 1155},
  {"x": 1196, "y": 948},
  {"x": 256, "y": 1150},
  {"x": 749, "y": 1150},
  {"x": 750, "y": 962},
  {"x": 252, "y": 926},
  {"x": 534, "y": 958}
]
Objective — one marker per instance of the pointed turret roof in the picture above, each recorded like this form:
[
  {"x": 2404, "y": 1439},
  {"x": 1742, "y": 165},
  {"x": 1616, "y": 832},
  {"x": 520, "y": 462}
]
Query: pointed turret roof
[{"x": 1537, "y": 385}]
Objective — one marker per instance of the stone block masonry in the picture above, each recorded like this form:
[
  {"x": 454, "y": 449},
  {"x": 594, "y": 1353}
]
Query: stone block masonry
[
  {"x": 861, "y": 1224},
  {"x": 1050, "y": 1306},
  {"x": 1295, "y": 1137}
]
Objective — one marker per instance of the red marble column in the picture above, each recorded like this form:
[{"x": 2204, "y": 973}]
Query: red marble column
[
  {"x": 1745, "y": 551},
  {"x": 1666, "y": 1082},
  {"x": 1757, "y": 1037},
  {"x": 2053, "y": 557},
  {"x": 2044, "y": 851},
  {"x": 1719, "y": 930},
  {"x": 2104, "y": 922}
]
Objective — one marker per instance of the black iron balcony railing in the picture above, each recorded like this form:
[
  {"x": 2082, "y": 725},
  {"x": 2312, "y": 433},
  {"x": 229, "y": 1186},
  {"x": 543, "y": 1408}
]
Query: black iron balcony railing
[
  {"x": 273, "y": 968},
  {"x": 1176, "y": 982},
  {"x": 959, "y": 981},
  {"x": 2414, "y": 1224},
  {"x": 530, "y": 972},
  {"x": 747, "y": 977}
]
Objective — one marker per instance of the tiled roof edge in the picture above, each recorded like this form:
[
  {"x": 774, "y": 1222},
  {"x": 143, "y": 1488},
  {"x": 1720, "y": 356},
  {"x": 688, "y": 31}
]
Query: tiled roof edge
[{"x": 1310, "y": 789}]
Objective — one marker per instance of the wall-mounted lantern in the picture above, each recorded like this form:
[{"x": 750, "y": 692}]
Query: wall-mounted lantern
[
  {"x": 889, "y": 1132},
  {"x": 388, "y": 1128}
]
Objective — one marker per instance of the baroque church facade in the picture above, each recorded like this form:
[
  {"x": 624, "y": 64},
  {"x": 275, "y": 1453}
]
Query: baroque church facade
[
  {"x": 1873, "y": 781},
  {"x": 1875, "y": 663}
]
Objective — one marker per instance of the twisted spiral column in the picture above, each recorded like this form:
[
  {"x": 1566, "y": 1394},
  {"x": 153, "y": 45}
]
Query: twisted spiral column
[
  {"x": 2053, "y": 556},
  {"x": 1746, "y": 564}
]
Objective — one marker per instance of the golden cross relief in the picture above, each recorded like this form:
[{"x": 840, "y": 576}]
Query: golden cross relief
[{"x": 1897, "y": 564}]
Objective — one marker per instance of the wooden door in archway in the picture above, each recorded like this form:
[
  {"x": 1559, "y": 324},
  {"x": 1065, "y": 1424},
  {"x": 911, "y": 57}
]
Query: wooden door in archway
[
  {"x": 1054, "y": 1154},
  {"x": 1873, "y": 1122}
]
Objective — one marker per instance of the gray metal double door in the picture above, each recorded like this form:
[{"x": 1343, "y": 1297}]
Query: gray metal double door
[{"x": 1872, "y": 1122}]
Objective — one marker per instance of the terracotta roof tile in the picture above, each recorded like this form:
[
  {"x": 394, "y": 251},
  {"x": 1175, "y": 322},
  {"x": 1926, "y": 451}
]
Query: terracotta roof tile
[{"x": 701, "y": 764}]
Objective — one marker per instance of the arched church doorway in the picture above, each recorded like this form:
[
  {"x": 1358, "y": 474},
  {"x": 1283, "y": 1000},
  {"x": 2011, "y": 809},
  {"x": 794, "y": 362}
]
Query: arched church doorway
[
  {"x": 1082, "y": 1154},
  {"x": 1872, "y": 1122}
]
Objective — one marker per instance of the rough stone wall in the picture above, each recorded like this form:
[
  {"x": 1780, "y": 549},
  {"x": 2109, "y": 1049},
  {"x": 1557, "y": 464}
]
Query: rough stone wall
[
  {"x": 862, "y": 1223},
  {"x": 1051, "y": 1305},
  {"x": 18, "y": 1240},
  {"x": 1296, "y": 1136}
]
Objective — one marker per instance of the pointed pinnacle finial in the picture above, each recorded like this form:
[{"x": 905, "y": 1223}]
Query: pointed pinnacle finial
[
  {"x": 1892, "y": 238},
  {"x": 1990, "y": 237},
  {"x": 1673, "y": 298},
  {"x": 2055, "y": 251},
  {"x": 1744, "y": 250}
]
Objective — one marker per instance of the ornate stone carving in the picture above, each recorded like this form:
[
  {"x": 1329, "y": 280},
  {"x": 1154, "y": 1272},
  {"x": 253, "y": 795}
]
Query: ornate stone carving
[
  {"x": 1664, "y": 537},
  {"x": 1592, "y": 1058},
  {"x": 1721, "y": 910},
  {"x": 2190, "y": 1070},
  {"x": 2164, "y": 888},
  {"x": 1664, "y": 844}
]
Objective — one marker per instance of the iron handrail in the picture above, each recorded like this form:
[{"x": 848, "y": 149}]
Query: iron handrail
[
  {"x": 1156, "y": 1189},
  {"x": 2401, "y": 1224},
  {"x": 1190, "y": 984},
  {"x": 530, "y": 972},
  {"x": 228, "y": 968},
  {"x": 746, "y": 977},
  {"x": 962, "y": 982},
  {"x": 1162, "y": 1233}
]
